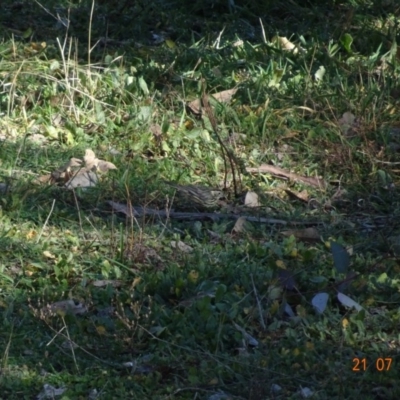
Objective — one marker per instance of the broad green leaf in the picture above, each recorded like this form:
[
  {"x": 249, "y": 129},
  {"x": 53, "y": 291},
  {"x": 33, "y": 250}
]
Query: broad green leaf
[
  {"x": 143, "y": 85},
  {"x": 346, "y": 41},
  {"x": 170, "y": 43},
  {"x": 165, "y": 147},
  {"x": 52, "y": 132},
  {"x": 276, "y": 77},
  {"x": 5, "y": 277},
  {"x": 68, "y": 137},
  {"x": 382, "y": 278}
]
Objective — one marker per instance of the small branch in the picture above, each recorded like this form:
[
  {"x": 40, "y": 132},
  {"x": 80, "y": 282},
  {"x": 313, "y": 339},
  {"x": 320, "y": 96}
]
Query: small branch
[
  {"x": 225, "y": 151},
  {"x": 45, "y": 222},
  {"x": 190, "y": 216},
  {"x": 258, "y": 304}
]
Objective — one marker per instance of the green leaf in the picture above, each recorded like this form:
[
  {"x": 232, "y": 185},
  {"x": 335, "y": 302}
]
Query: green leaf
[
  {"x": 143, "y": 86},
  {"x": 108, "y": 59},
  {"x": 276, "y": 78},
  {"x": 382, "y": 278},
  {"x": 360, "y": 316},
  {"x": 346, "y": 40},
  {"x": 145, "y": 113},
  {"x": 69, "y": 138},
  {"x": 4, "y": 277},
  {"x": 27, "y": 33},
  {"x": 221, "y": 290},
  {"x": 52, "y": 132},
  {"x": 170, "y": 43},
  {"x": 165, "y": 147},
  {"x": 100, "y": 115}
]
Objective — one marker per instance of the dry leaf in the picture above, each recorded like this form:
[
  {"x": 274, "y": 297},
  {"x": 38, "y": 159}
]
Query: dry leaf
[
  {"x": 251, "y": 199},
  {"x": 104, "y": 166},
  {"x": 90, "y": 159},
  {"x": 43, "y": 179},
  {"x": 181, "y": 246},
  {"x": 71, "y": 175},
  {"x": 94, "y": 164},
  {"x": 279, "y": 172},
  {"x": 73, "y": 162},
  {"x": 82, "y": 179},
  {"x": 49, "y": 255},
  {"x": 223, "y": 97},
  {"x": 37, "y": 138},
  {"x": 64, "y": 307},
  {"x": 57, "y": 120},
  {"x": 238, "y": 43},
  {"x": 31, "y": 234},
  {"x": 50, "y": 392},
  {"x": 302, "y": 196},
  {"x": 240, "y": 225},
  {"x": 339, "y": 194},
  {"x": 35, "y": 46},
  {"x": 135, "y": 282},
  {"x": 63, "y": 174},
  {"x": 286, "y": 44},
  {"x": 348, "y": 124},
  {"x": 156, "y": 130},
  {"x": 195, "y": 106},
  {"x": 143, "y": 254},
  {"x": 106, "y": 282}
]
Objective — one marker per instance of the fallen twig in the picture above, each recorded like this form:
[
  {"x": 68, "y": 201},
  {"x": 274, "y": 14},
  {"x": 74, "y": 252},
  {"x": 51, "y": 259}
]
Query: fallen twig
[{"x": 190, "y": 216}]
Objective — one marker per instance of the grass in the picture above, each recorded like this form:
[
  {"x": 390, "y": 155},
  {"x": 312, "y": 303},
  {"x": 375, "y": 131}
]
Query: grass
[{"x": 106, "y": 305}]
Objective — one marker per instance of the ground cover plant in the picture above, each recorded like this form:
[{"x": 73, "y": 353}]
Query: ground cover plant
[{"x": 199, "y": 200}]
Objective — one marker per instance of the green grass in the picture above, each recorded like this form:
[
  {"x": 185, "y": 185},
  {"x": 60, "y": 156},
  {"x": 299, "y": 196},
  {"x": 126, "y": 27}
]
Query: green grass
[{"x": 166, "y": 301}]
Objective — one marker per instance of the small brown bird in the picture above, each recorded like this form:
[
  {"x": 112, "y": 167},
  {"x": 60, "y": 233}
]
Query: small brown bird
[{"x": 200, "y": 196}]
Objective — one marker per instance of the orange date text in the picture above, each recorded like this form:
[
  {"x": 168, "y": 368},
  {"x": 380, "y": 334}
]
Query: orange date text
[{"x": 380, "y": 364}]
